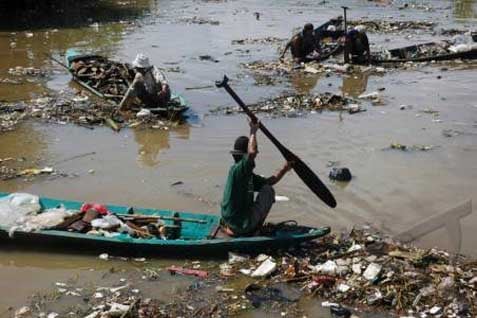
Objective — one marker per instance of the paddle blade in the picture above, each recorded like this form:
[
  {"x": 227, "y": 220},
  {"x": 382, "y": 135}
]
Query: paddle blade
[{"x": 311, "y": 180}]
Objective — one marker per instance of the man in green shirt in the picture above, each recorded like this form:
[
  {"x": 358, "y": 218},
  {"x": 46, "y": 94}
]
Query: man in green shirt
[{"x": 241, "y": 215}]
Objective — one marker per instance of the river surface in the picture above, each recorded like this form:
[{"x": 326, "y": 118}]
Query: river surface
[{"x": 391, "y": 189}]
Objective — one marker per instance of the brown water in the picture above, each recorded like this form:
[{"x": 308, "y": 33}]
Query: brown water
[{"x": 391, "y": 189}]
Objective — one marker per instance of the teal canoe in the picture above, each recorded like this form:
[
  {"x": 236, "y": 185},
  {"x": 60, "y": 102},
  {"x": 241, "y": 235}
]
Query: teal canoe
[
  {"x": 197, "y": 236},
  {"x": 121, "y": 75}
]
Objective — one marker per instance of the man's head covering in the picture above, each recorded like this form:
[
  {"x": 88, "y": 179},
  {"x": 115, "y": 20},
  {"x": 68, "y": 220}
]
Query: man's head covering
[
  {"x": 360, "y": 28},
  {"x": 308, "y": 27},
  {"x": 141, "y": 61},
  {"x": 331, "y": 28},
  {"x": 240, "y": 146}
]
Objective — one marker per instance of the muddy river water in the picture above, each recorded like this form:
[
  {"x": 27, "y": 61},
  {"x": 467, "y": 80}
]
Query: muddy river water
[{"x": 393, "y": 190}]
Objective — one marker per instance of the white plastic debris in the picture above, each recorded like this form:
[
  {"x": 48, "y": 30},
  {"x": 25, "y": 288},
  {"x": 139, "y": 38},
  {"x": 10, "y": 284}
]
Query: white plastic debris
[
  {"x": 460, "y": 48},
  {"x": 343, "y": 288},
  {"x": 262, "y": 257},
  {"x": 354, "y": 247},
  {"x": 342, "y": 270},
  {"x": 106, "y": 222},
  {"x": 327, "y": 268},
  {"x": 435, "y": 310},
  {"x": 45, "y": 220},
  {"x": 117, "y": 309},
  {"x": 311, "y": 70},
  {"x": 143, "y": 113},
  {"x": 94, "y": 314},
  {"x": 356, "y": 268},
  {"x": 245, "y": 271},
  {"x": 23, "y": 312},
  {"x": 266, "y": 268},
  {"x": 235, "y": 258},
  {"x": 373, "y": 95},
  {"x": 52, "y": 315},
  {"x": 104, "y": 256},
  {"x": 17, "y": 205},
  {"x": 98, "y": 295},
  {"x": 338, "y": 68},
  {"x": 327, "y": 304},
  {"x": 372, "y": 271},
  {"x": 281, "y": 198}
]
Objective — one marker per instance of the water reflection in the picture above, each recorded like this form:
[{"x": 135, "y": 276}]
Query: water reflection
[
  {"x": 465, "y": 9},
  {"x": 151, "y": 142},
  {"x": 303, "y": 84},
  {"x": 25, "y": 145},
  {"x": 355, "y": 84}
]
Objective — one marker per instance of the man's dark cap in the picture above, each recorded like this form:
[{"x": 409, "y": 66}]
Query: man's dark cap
[
  {"x": 240, "y": 146},
  {"x": 308, "y": 27}
]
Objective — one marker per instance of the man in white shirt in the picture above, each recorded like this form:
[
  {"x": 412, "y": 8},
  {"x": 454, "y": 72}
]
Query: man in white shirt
[{"x": 149, "y": 85}]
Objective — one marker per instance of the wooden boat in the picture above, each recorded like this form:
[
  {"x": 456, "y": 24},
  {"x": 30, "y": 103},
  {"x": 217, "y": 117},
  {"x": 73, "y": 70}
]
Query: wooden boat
[
  {"x": 431, "y": 51},
  {"x": 110, "y": 80},
  {"x": 198, "y": 236},
  {"x": 330, "y": 40}
]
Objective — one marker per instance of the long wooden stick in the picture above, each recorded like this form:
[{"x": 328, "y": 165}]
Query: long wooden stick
[{"x": 159, "y": 217}]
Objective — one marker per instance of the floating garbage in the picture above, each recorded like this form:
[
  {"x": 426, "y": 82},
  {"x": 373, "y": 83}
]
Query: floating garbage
[
  {"x": 266, "y": 268},
  {"x": 340, "y": 174}
]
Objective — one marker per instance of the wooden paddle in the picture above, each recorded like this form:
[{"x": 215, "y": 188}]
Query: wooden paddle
[{"x": 301, "y": 169}]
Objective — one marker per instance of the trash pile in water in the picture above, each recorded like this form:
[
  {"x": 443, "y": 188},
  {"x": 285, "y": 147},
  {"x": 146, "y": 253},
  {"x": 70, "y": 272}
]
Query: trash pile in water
[
  {"x": 370, "y": 271},
  {"x": 294, "y": 105},
  {"x": 27, "y": 71},
  {"x": 267, "y": 40},
  {"x": 390, "y": 26},
  {"x": 287, "y": 67},
  {"x": 198, "y": 20},
  {"x": 83, "y": 111},
  {"x": 354, "y": 272}
]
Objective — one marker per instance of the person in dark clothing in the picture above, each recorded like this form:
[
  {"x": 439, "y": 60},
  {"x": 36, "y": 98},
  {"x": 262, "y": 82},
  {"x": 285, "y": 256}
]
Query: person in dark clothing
[
  {"x": 304, "y": 46},
  {"x": 241, "y": 214},
  {"x": 357, "y": 46}
]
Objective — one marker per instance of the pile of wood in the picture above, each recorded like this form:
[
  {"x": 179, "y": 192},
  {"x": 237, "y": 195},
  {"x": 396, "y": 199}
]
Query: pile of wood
[{"x": 109, "y": 78}]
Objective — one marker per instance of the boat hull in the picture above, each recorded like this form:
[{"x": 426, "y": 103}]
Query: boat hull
[{"x": 196, "y": 238}]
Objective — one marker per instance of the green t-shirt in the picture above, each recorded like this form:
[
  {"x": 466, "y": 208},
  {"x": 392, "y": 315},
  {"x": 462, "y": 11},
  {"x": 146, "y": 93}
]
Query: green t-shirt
[{"x": 238, "y": 196}]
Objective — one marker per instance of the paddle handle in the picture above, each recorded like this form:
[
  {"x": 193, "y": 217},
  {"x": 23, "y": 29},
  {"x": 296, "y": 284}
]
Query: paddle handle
[{"x": 284, "y": 151}]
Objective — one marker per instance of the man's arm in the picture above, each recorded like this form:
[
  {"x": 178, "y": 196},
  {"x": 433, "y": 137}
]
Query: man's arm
[
  {"x": 252, "y": 141},
  {"x": 286, "y": 49},
  {"x": 123, "y": 104},
  {"x": 280, "y": 173},
  {"x": 366, "y": 46},
  {"x": 347, "y": 49}
]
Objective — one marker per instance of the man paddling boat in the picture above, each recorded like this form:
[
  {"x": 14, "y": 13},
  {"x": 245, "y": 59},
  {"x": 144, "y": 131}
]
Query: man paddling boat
[
  {"x": 149, "y": 86},
  {"x": 241, "y": 215}
]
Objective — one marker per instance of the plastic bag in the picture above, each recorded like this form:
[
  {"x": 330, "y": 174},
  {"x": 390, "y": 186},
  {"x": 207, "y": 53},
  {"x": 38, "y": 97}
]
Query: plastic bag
[
  {"x": 17, "y": 205},
  {"x": 45, "y": 220},
  {"x": 106, "y": 222}
]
